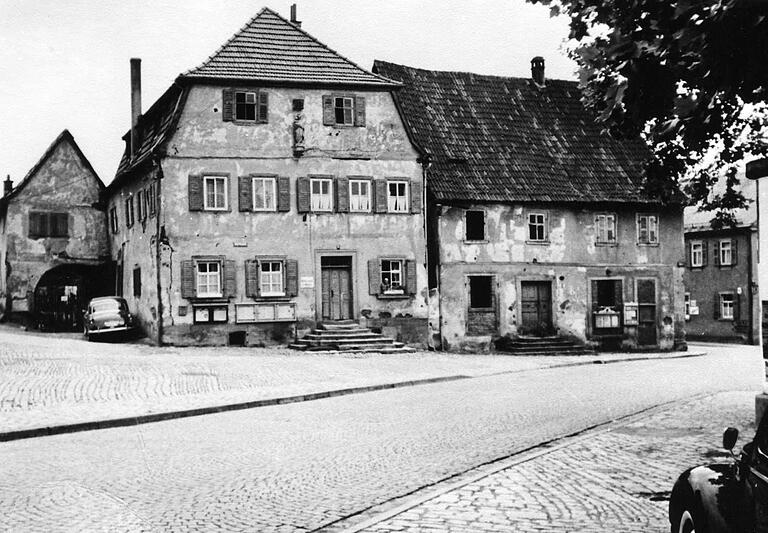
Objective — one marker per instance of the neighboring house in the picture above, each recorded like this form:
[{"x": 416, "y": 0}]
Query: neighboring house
[
  {"x": 269, "y": 189},
  {"x": 536, "y": 221},
  {"x": 722, "y": 302},
  {"x": 53, "y": 241}
]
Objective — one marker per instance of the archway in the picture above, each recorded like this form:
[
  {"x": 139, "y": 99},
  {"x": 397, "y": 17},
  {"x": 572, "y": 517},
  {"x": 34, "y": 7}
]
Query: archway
[{"x": 63, "y": 292}]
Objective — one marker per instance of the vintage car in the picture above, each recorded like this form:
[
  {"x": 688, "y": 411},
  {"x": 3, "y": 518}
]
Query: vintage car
[
  {"x": 725, "y": 497},
  {"x": 107, "y": 315}
]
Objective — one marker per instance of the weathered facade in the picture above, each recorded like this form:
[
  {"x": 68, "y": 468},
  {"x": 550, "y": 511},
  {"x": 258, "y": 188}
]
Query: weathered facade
[
  {"x": 537, "y": 223},
  {"x": 269, "y": 190},
  {"x": 53, "y": 242}
]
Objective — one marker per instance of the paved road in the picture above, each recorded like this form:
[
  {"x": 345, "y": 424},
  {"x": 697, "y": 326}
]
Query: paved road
[{"x": 298, "y": 467}]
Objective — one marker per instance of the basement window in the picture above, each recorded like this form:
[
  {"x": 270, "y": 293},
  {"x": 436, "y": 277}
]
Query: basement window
[{"x": 475, "y": 225}]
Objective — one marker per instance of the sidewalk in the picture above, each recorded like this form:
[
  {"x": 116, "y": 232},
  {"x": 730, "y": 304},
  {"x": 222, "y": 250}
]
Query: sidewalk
[{"x": 52, "y": 381}]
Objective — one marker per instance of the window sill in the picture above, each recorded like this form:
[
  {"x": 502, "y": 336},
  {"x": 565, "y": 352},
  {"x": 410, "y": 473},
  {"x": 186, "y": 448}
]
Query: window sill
[
  {"x": 696, "y": 267},
  {"x": 208, "y": 300},
  {"x": 211, "y": 210},
  {"x": 393, "y": 296},
  {"x": 272, "y": 298},
  {"x": 253, "y": 210},
  {"x": 725, "y": 319},
  {"x": 538, "y": 243},
  {"x": 649, "y": 244},
  {"x": 607, "y": 244},
  {"x": 480, "y": 241}
]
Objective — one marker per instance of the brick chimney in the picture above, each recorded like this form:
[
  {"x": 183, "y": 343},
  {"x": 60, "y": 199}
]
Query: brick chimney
[
  {"x": 135, "y": 102},
  {"x": 294, "y": 21},
  {"x": 537, "y": 70},
  {"x": 7, "y": 186}
]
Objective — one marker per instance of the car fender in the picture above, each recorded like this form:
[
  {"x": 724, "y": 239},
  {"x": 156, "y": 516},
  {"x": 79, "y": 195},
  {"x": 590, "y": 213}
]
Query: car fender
[{"x": 715, "y": 494}]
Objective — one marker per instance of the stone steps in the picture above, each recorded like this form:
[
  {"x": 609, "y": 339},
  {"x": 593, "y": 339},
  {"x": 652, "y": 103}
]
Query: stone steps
[
  {"x": 348, "y": 336},
  {"x": 532, "y": 346}
]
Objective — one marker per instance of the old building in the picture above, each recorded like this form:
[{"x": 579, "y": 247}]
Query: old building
[
  {"x": 537, "y": 222},
  {"x": 722, "y": 302},
  {"x": 53, "y": 243},
  {"x": 271, "y": 188}
]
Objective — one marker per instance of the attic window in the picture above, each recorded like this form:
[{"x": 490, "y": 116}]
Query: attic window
[
  {"x": 245, "y": 106},
  {"x": 249, "y": 106},
  {"x": 475, "y": 225},
  {"x": 344, "y": 110}
]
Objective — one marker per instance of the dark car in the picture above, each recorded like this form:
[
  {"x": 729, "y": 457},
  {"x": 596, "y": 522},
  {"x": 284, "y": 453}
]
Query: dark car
[
  {"x": 725, "y": 497},
  {"x": 107, "y": 315}
]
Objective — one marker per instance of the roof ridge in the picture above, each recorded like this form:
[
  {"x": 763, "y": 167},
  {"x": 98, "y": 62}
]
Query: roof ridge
[{"x": 467, "y": 72}]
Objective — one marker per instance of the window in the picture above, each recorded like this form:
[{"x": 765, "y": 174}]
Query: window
[
  {"x": 344, "y": 110},
  {"x": 271, "y": 278},
  {"x": 214, "y": 193},
  {"x": 537, "y": 227},
  {"x": 264, "y": 194},
  {"x": 245, "y": 105},
  {"x": 607, "y": 303},
  {"x": 48, "y": 224},
  {"x": 360, "y": 196},
  {"x": 726, "y": 253},
  {"x": 474, "y": 225},
  {"x": 726, "y": 306},
  {"x": 397, "y": 197},
  {"x": 647, "y": 229},
  {"x": 151, "y": 198},
  {"x": 321, "y": 195},
  {"x": 392, "y": 276},
  {"x": 129, "y": 211},
  {"x": 210, "y": 313},
  {"x": 113, "y": 219},
  {"x": 141, "y": 210},
  {"x": 480, "y": 292},
  {"x": 137, "y": 281},
  {"x": 697, "y": 254},
  {"x": 605, "y": 226},
  {"x": 208, "y": 279}
]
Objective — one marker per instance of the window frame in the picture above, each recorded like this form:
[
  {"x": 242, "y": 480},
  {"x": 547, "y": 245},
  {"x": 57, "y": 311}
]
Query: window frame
[
  {"x": 407, "y": 186},
  {"x": 48, "y": 224},
  {"x": 650, "y": 217},
  {"x": 150, "y": 197},
  {"x": 466, "y": 226},
  {"x": 255, "y": 105},
  {"x": 264, "y": 179},
  {"x": 369, "y": 185},
  {"x": 312, "y": 195},
  {"x": 141, "y": 211},
  {"x": 732, "y": 300},
  {"x": 225, "y": 194},
  {"x": 604, "y": 217},
  {"x": 352, "y": 110},
  {"x": 721, "y": 261},
  {"x": 280, "y": 277},
  {"x": 113, "y": 220},
  {"x": 220, "y": 267},
  {"x": 700, "y": 263},
  {"x": 544, "y": 225},
  {"x": 401, "y": 273},
  {"x": 129, "y": 218}
]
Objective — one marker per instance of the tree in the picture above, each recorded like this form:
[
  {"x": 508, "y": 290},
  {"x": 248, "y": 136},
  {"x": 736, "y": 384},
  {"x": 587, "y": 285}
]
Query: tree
[{"x": 691, "y": 76}]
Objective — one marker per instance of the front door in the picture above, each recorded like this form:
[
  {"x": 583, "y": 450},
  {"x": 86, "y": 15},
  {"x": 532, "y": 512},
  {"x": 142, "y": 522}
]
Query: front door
[
  {"x": 536, "y": 307},
  {"x": 646, "y": 310},
  {"x": 336, "y": 288}
]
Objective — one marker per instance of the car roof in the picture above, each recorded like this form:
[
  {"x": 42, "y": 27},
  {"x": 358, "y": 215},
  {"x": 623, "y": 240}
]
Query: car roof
[{"x": 105, "y": 298}]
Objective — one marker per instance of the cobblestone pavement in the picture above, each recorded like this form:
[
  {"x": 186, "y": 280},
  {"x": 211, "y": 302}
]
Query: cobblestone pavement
[
  {"x": 60, "y": 379},
  {"x": 617, "y": 480},
  {"x": 298, "y": 467}
]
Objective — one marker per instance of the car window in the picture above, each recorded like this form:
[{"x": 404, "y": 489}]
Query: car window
[{"x": 107, "y": 305}]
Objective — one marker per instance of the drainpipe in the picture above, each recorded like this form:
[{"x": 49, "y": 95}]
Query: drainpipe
[{"x": 158, "y": 251}]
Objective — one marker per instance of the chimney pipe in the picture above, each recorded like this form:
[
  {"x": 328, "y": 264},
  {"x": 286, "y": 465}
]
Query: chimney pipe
[
  {"x": 294, "y": 21},
  {"x": 537, "y": 70},
  {"x": 135, "y": 102},
  {"x": 7, "y": 186}
]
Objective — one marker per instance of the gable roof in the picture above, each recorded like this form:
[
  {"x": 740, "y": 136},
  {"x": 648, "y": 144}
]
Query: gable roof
[
  {"x": 500, "y": 139},
  {"x": 694, "y": 219},
  {"x": 271, "y": 49},
  {"x": 64, "y": 136}
]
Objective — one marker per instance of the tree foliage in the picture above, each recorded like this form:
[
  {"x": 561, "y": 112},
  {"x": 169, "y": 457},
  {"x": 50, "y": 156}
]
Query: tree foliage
[{"x": 689, "y": 75}]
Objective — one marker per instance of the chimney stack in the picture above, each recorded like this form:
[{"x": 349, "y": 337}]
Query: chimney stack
[
  {"x": 7, "y": 186},
  {"x": 294, "y": 21},
  {"x": 135, "y": 102},
  {"x": 537, "y": 70}
]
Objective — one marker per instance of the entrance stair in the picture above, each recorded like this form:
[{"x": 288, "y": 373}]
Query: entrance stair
[
  {"x": 552, "y": 345},
  {"x": 348, "y": 336}
]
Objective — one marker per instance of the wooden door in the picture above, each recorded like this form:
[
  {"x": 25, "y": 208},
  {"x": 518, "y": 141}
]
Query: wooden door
[
  {"x": 646, "y": 309},
  {"x": 536, "y": 307},
  {"x": 336, "y": 293}
]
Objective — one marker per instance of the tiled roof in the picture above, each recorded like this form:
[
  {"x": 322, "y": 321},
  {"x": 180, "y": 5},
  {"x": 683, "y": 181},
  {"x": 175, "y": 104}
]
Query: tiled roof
[
  {"x": 697, "y": 220},
  {"x": 503, "y": 139},
  {"x": 271, "y": 49}
]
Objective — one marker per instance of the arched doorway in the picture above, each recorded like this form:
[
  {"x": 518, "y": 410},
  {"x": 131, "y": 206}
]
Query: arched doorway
[{"x": 62, "y": 293}]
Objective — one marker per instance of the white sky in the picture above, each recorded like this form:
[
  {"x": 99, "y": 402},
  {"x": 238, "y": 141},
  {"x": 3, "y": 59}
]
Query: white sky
[{"x": 64, "y": 64}]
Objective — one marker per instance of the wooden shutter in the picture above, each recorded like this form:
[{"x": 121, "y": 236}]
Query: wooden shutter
[
  {"x": 329, "y": 117},
  {"x": 245, "y": 193},
  {"x": 252, "y": 278},
  {"x": 688, "y": 257},
  {"x": 188, "y": 281},
  {"x": 410, "y": 277},
  {"x": 359, "y": 110},
  {"x": 194, "y": 192},
  {"x": 283, "y": 194},
  {"x": 140, "y": 205},
  {"x": 704, "y": 253},
  {"x": 292, "y": 277},
  {"x": 302, "y": 194},
  {"x": 228, "y": 105},
  {"x": 61, "y": 221},
  {"x": 262, "y": 109},
  {"x": 35, "y": 224},
  {"x": 618, "y": 295},
  {"x": 716, "y": 313},
  {"x": 415, "y": 197},
  {"x": 374, "y": 276},
  {"x": 734, "y": 251},
  {"x": 230, "y": 282},
  {"x": 716, "y": 254},
  {"x": 736, "y": 307},
  {"x": 593, "y": 288},
  {"x": 380, "y": 196},
  {"x": 342, "y": 195}
]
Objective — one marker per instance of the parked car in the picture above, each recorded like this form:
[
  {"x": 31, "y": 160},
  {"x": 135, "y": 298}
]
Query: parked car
[
  {"x": 107, "y": 315},
  {"x": 729, "y": 497}
]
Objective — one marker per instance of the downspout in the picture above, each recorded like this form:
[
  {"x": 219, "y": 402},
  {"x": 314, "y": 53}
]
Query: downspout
[{"x": 158, "y": 251}]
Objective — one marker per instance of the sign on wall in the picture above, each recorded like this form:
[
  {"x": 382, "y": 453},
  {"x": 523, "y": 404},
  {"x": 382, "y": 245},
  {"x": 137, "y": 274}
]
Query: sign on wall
[{"x": 630, "y": 314}]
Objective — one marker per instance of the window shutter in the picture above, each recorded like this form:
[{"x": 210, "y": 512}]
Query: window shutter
[
  {"x": 35, "y": 224},
  {"x": 736, "y": 307},
  {"x": 329, "y": 118},
  {"x": 734, "y": 251},
  {"x": 251, "y": 278},
  {"x": 359, "y": 110},
  {"x": 704, "y": 253},
  {"x": 292, "y": 277},
  {"x": 688, "y": 257},
  {"x": 374, "y": 276},
  {"x": 618, "y": 295},
  {"x": 302, "y": 194},
  {"x": 230, "y": 282},
  {"x": 380, "y": 196},
  {"x": 716, "y": 254},
  {"x": 342, "y": 195},
  {"x": 245, "y": 193},
  {"x": 263, "y": 107},
  {"x": 62, "y": 224},
  {"x": 283, "y": 194},
  {"x": 593, "y": 289},
  {"x": 410, "y": 277},
  {"x": 415, "y": 197},
  {"x": 140, "y": 205},
  {"x": 228, "y": 105},
  {"x": 188, "y": 284},
  {"x": 716, "y": 313},
  {"x": 194, "y": 191}
]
